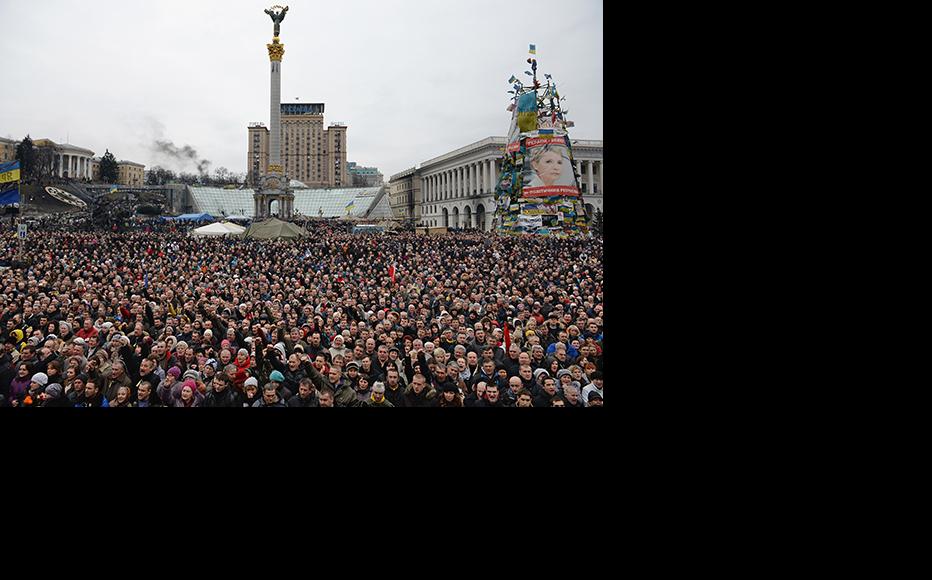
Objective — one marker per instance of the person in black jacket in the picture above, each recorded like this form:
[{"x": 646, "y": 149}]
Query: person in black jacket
[
  {"x": 222, "y": 395},
  {"x": 307, "y": 395}
]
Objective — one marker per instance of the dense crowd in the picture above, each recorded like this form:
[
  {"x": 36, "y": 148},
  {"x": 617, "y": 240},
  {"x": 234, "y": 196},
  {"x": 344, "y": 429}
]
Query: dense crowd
[{"x": 152, "y": 317}]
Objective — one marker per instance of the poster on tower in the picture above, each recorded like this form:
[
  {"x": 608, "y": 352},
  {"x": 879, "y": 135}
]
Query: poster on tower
[{"x": 547, "y": 171}]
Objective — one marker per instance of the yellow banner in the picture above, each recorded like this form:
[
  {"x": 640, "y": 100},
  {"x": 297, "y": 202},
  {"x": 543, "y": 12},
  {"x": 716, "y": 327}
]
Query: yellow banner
[{"x": 9, "y": 176}]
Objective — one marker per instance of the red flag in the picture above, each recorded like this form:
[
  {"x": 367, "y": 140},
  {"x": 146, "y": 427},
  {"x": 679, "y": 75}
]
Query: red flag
[
  {"x": 507, "y": 337},
  {"x": 391, "y": 272}
]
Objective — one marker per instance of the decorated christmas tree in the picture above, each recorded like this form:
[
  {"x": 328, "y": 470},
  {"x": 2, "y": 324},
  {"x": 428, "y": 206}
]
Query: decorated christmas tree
[{"x": 538, "y": 190}]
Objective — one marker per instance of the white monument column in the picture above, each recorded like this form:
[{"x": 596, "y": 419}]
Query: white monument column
[{"x": 589, "y": 174}]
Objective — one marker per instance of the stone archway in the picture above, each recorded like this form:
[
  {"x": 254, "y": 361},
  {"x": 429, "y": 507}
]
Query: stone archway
[
  {"x": 467, "y": 217},
  {"x": 446, "y": 218},
  {"x": 274, "y": 208},
  {"x": 480, "y": 217},
  {"x": 456, "y": 217}
]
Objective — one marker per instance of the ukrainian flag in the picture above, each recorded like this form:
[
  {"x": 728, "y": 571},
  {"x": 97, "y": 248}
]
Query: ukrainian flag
[
  {"x": 527, "y": 111},
  {"x": 533, "y": 49},
  {"x": 9, "y": 171},
  {"x": 350, "y": 206}
]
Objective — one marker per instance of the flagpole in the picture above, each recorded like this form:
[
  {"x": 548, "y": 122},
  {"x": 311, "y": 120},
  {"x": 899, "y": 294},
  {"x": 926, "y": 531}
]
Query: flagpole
[{"x": 22, "y": 208}]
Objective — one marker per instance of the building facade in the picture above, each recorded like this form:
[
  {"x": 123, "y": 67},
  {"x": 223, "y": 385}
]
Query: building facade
[
  {"x": 131, "y": 173},
  {"x": 310, "y": 153},
  {"x": 70, "y": 161},
  {"x": 364, "y": 176},
  {"x": 458, "y": 188},
  {"x": 7, "y": 150},
  {"x": 405, "y": 195}
]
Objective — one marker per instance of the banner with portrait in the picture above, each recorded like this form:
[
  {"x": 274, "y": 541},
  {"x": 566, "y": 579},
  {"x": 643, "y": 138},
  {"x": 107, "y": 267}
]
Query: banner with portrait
[{"x": 547, "y": 169}]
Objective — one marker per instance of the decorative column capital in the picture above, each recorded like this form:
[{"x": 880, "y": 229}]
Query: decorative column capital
[{"x": 276, "y": 50}]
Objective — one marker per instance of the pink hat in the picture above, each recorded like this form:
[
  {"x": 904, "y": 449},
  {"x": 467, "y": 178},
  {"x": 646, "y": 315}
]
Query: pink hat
[
  {"x": 175, "y": 372},
  {"x": 225, "y": 343},
  {"x": 190, "y": 383}
]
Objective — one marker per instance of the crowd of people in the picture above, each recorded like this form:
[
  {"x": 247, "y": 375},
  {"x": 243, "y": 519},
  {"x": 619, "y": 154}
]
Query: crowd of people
[{"x": 147, "y": 316}]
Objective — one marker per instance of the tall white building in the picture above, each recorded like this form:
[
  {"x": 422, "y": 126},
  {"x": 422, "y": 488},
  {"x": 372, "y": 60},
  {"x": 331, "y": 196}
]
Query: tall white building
[{"x": 457, "y": 189}]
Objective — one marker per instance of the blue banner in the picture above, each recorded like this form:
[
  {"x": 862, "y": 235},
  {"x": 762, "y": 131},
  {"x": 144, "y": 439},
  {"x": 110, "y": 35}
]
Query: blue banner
[{"x": 10, "y": 197}]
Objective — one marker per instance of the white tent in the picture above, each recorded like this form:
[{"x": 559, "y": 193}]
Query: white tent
[
  {"x": 235, "y": 228},
  {"x": 218, "y": 229}
]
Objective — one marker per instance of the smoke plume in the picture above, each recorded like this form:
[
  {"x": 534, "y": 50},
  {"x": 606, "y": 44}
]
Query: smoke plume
[{"x": 186, "y": 154}]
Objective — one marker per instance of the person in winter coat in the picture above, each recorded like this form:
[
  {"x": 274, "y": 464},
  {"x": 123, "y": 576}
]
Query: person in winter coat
[
  {"x": 19, "y": 385},
  {"x": 307, "y": 395},
  {"x": 122, "y": 399},
  {"x": 31, "y": 397},
  {"x": 53, "y": 396},
  {"x": 145, "y": 397},
  {"x": 250, "y": 391},
  {"x": 377, "y": 396},
  {"x": 343, "y": 394},
  {"x": 222, "y": 394},
  {"x": 418, "y": 394},
  {"x": 270, "y": 397},
  {"x": 181, "y": 395},
  {"x": 450, "y": 397},
  {"x": 91, "y": 397}
]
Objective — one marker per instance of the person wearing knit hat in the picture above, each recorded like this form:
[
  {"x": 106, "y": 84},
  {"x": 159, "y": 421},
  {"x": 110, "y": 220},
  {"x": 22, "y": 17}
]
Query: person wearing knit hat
[
  {"x": 276, "y": 377},
  {"x": 40, "y": 379},
  {"x": 251, "y": 381},
  {"x": 191, "y": 374},
  {"x": 175, "y": 372},
  {"x": 52, "y": 396}
]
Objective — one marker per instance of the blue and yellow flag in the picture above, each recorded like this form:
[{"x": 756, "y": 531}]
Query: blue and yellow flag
[
  {"x": 527, "y": 111},
  {"x": 533, "y": 49},
  {"x": 9, "y": 171},
  {"x": 10, "y": 196},
  {"x": 350, "y": 206}
]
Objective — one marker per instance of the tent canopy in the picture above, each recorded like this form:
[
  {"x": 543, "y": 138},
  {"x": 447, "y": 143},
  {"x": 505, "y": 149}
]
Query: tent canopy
[
  {"x": 273, "y": 229},
  {"x": 237, "y": 218},
  {"x": 195, "y": 217},
  {"x": 235, "y": 228},
  {"x": 218, "y": 229}
]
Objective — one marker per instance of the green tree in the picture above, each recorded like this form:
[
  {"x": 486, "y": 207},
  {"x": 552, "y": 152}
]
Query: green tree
[
  {"x": 26, "y": 154},
  {"x": 109, "y": 172}
]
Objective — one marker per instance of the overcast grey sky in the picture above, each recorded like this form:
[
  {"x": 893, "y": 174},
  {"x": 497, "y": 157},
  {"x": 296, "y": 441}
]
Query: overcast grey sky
[{"x": 412, "y": 79}]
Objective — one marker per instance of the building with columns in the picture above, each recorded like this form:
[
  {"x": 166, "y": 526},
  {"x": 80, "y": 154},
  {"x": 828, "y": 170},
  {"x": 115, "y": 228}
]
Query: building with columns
[
  {"x": 71, "y": 161},
  {"x": 457, "y": 189}
]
